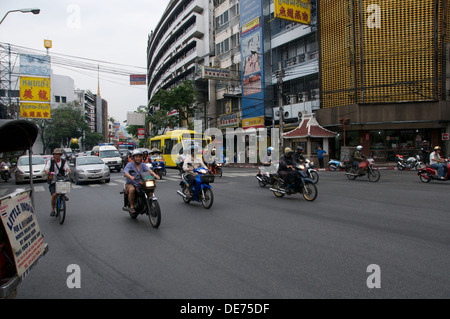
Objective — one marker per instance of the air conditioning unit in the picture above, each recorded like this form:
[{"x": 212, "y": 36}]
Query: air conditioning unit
[
  {"x": 302, "y": 57},
  {"x": 314, "y": 95}
]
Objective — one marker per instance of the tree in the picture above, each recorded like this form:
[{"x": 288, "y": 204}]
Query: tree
[{"x": 181, "y": 98}]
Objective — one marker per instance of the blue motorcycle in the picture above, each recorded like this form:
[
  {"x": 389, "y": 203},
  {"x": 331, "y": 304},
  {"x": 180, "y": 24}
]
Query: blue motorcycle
[
  {"x": 157, "y": 164},
  {"x": 201, "y": 191},
  {"x": 302, "y": 185},
  {"x": 335, "y": 165}
]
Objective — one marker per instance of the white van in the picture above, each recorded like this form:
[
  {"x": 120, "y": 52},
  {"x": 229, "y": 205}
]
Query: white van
[{"x": 109, "y": 155}]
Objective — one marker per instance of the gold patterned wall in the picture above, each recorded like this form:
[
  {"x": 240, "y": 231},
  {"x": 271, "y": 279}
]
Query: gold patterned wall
[{"x": 382, "y": 51}]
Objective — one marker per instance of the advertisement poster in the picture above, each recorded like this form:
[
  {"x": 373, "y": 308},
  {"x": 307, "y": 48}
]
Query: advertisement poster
[
  {"x": 252, "y": 53},
  {"x": 19, "y": 221}
]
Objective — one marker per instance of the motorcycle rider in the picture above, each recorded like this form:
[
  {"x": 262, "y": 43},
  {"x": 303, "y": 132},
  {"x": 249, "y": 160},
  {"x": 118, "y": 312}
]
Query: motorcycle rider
[
  {"x": 6, "y": 162},
  {"x": 267, "y": 161},
  {"x": 191, "y": 162},
  {"x": 145, "y": 157},
  {"x": 299, "y": 155},
  {"x": 437, "y": 162},
  {"x": 58, "y": 166},
  {"x": 286, "y": 169},
  {"x": 358, "y": 157},
  {"x": 131, "y": 183}
]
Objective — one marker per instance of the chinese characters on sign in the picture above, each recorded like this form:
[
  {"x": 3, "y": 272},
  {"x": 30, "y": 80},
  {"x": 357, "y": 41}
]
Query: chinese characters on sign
[
  {"x": 35, "y": 97},
  {"x": 296, "y": 11}
]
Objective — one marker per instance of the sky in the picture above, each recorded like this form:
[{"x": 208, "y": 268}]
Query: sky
[{"x": 114, "y": 31}]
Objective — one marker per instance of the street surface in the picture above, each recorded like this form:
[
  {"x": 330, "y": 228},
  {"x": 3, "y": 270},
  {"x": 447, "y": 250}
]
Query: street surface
[{"x": 250, "y": 244}]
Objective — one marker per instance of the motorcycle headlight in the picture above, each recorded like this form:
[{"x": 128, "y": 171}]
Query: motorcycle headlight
[
  {"x": 149, "y": 184},
  {"x": 5, "y": 167},
  {"x": 302, "y": 166}
]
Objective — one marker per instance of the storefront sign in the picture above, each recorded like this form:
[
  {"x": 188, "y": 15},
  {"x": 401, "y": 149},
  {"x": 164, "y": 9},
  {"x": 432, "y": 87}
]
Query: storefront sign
[
  {"x": 22, "y": 229},
  {"x": 229, "y": 120},
  {"x": 35, "y": 110},
  {"x": 253, "y": 122},
  {"x": 297, "y": 11}
]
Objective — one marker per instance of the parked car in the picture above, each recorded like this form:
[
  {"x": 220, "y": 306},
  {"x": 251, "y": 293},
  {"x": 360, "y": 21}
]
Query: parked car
[
  {"x": 89, "y": 168},
  {"x": 23, "y": 169},
  {"x": 47, "y": 158}
]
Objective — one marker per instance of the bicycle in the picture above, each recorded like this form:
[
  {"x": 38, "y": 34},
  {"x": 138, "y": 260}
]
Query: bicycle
[{"x": 62, "y": 187}]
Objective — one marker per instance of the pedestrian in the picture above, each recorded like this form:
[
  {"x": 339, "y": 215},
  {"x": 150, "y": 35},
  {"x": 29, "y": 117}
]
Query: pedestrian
[
  {"x": 425, "y": 152},
  {"x": 320, "y": 154}
]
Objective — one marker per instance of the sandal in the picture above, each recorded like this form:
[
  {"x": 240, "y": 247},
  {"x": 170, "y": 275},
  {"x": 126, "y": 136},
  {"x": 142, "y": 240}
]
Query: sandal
[{"x": 132, "y": 210}]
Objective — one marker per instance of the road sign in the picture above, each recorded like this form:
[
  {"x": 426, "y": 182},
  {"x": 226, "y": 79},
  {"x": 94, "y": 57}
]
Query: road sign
[{"x": 445, "y": 136}]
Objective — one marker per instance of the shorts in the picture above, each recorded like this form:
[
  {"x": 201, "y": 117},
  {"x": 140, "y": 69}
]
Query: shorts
[
  {"x": 127, "y": 187},
  {"x": 52, "y": 188}
]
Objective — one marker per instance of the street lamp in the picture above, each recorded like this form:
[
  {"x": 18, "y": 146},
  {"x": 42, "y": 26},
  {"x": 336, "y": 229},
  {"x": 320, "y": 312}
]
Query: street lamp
[{"x": 26, "y": 10}]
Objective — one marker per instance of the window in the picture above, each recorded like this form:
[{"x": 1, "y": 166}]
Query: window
[
  {"x": 63, "y": 99},
  {"x": 57, "y": 99}
]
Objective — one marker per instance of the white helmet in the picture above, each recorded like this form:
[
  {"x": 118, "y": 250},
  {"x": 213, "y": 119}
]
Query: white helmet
[
  {"x": 136, "y": 152},
  {"x": 359, "y": 148}
]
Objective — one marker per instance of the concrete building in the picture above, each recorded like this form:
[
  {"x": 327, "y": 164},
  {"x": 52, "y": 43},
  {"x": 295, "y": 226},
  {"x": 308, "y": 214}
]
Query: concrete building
[{"x": 180, "y": 44}]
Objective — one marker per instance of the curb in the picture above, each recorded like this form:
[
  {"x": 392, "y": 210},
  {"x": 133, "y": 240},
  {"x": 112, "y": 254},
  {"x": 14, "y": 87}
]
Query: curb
[{"x": 317, "y": 169}]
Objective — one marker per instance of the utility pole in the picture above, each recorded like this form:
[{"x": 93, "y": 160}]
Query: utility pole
[{"x": 280, "y": 104}]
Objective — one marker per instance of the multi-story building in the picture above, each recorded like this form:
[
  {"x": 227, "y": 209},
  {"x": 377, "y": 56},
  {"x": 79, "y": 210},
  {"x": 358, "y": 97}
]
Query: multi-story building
[
  {"x": 86, "y": 100},
  {"x": 179, "y": 45},
  {"x": 384, "y": 69}
]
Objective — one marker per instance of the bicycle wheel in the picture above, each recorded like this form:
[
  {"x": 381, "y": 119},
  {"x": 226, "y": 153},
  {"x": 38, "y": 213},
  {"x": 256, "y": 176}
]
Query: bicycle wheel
[{"x": 61, "y": 207}]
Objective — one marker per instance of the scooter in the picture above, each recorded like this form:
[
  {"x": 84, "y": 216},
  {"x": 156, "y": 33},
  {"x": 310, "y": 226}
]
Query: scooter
[
  {"x": 335, "y": 165},
  {"x": 215, "y": 169},
  {"x": 145, "y": 200},
  {"x": 201, "y": 191},
  {"x": 311, "y": 173},
  {"x": 265, "y": 175},
  {"x": 427, "y": 173},
  {"x": 410, "y": 163},
  {"x": 5, "y": 172}
]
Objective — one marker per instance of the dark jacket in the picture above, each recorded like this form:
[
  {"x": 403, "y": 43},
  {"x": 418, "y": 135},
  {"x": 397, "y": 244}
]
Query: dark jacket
[{"x": 285, "y": 162}]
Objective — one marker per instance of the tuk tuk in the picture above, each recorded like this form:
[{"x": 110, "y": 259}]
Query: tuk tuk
[{"x": 21, "y": 242}]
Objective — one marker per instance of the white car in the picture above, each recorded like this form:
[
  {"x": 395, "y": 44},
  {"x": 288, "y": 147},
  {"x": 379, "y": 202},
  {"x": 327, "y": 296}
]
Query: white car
[
  {"x": 89, "y": 168},
  {"x": 23, "y": 169}
]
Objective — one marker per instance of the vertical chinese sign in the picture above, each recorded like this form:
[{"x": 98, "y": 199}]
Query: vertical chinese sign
[{"x": 35, "y": 86}]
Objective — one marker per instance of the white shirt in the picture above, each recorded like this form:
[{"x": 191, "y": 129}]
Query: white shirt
[
  {"x": 433, "y": 157},
  {"x": 55, "y": 168}
]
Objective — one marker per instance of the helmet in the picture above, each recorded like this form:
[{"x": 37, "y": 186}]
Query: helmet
[
  {"x": 270, "y": 149},
  {"x": 287, "y": 150},
  {"x": 57, "y": 151},
  {"x": 437, "y": 148},
  {"x": 359, "y": 148},
  {"x": 299, "y": 148},
  {"x": 136, "y": 152}
]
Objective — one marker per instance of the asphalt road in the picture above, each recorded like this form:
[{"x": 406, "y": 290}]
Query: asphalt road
[{"x": 250, "y": 244}]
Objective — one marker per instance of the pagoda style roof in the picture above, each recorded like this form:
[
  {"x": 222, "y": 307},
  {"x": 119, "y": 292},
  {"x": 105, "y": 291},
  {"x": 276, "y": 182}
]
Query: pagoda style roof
[{"x": 309, "y": 127}]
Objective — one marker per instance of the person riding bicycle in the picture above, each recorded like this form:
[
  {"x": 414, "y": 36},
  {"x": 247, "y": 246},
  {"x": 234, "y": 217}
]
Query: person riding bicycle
[
  {"x": 437, "y": 162},
  {"x": 59, "y": 167},
  {"x": 131, "y": 170},
  {"x": 191, "y": 162},
  {"x": 286, "y": 169}
]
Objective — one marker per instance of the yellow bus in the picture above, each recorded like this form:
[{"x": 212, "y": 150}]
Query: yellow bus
[{"x": 181, "y": 139}]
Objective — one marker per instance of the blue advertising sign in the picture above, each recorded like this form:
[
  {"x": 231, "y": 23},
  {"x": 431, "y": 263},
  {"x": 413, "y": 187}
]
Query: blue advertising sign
[{"x": 252, "y": 74}]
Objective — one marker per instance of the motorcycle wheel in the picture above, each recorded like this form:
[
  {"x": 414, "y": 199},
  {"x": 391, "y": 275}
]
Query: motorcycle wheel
[
  {"x": 352, "y": 174},
  {"x": 309, "y": 191},
  {"x": 314, "y": 176},
  {"x": 184, "y": 191},
  {"x": 373, "y": 175},
  {"x": 277, "y": 185},
  {"x": 400, "y": 167},
  {"x": 219, "y": 171},
  {"x": 424, "y": 179},
  {"x": 332, "y": 167},
  {"x": 154, "y": 213},
  {"x": 208, "y": 199}
]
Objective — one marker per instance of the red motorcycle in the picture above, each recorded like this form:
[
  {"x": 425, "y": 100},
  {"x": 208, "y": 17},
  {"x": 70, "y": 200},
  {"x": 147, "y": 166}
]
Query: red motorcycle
[{"x": 426, "y": 174}]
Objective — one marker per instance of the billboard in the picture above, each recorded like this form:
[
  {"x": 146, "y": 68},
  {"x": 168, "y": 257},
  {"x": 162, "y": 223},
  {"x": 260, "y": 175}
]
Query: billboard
[
  {"x": 35, "y": 110},
  {"x": 252, "y": 61},
  {"x": 138, "y": 79},
  {"x": 35, "y": 97},
  {"x": 31, "y": 64},
  {"x": 296, "y": 11}
]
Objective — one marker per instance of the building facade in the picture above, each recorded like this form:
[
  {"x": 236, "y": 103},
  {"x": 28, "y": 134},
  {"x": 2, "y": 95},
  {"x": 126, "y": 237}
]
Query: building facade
[
  {"x": 180, "y": 44},
  {"x": 384, "y": 69}
]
